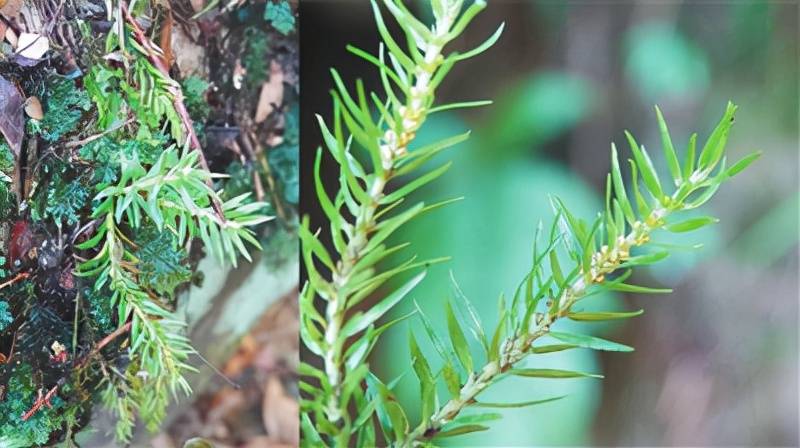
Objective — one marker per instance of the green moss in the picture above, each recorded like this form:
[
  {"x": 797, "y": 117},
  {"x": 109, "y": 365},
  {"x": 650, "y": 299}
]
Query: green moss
[
  {"x": 20, "y": 396},
  {"x": 64, "y": 106},
  {"x": 280, "y": 16},
  {"x": 5, "y": 315},
  {"x": 160, "y": 261}
]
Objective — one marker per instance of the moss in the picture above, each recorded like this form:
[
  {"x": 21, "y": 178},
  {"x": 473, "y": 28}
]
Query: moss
[{"x": 5, "y": 315}]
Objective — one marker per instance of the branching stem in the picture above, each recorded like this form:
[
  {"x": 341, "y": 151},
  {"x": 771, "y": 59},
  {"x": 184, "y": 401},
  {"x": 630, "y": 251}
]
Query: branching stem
[
  {"x": 517, "y": 347},
  {"x": 394, "y": 144}
]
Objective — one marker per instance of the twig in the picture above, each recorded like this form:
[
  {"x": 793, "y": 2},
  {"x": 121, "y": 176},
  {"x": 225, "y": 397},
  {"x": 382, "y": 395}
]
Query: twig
[
  {"x": 18, "y": 277},
  {"x": 42, "y": 401},
  {"x": 96, "y": 136},
  {"x": 177, "y": 95},
  {"x": 105, "y": 341}
]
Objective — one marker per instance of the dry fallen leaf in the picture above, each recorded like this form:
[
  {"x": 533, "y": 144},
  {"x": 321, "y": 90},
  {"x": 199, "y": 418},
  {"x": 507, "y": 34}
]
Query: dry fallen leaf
[
  {"x": 32, "y": 45},
  {"x": 271, "y": 93},
  {"x": 12, "y": 120},
  {"x": 166, "y": 39},
  {"x": 238, "y": 74},
  {"x": 33, "y": 107},
  {"x": 11, "y": 37},
  {"x": 280, "y": 412}
]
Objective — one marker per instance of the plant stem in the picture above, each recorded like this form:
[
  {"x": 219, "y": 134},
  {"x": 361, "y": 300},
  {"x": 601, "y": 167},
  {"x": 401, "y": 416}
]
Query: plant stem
[
  {"x": 394, "y": 144},
  {"x": 156, "y": 58},
  {"x": 517, "y": 347}
]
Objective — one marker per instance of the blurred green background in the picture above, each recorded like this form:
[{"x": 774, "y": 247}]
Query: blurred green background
[{"x": 717, "y": 361}]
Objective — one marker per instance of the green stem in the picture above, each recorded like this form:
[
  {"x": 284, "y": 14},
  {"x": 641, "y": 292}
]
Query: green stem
[
  {"x": 394, "y": 144},
  {"x": 516, "y": 348}
]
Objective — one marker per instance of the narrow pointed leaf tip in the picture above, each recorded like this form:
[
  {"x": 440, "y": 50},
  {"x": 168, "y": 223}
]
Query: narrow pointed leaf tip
[{"x": 592, "y": 342}]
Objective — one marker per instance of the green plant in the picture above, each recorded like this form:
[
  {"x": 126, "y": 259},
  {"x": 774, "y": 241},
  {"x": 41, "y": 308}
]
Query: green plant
[
  {"x": 5, "y": 315},
  {"x": 279, "y": 15},
  {"x": 572, "y": 259},
  {"x": 100, "y": 215},
  {"x": 172, "y": 196}
]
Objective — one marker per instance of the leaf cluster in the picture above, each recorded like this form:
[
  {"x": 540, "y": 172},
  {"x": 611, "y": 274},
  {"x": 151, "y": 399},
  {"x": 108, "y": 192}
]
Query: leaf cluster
[
  {"x": 142, "y": 90},
  {"x": 169, "y": 203},
  {"x": 160, "y": 262},
  {"x": 572, "y": 259},
  {"x": 279, "y": 14},
  {"x": 65, "y": 105},
  {"x": 5, "y": 315}
]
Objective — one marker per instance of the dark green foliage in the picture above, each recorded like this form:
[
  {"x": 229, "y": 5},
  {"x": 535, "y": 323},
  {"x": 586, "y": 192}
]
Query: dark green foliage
[
  {"x": 43, "y": 328},
  {"x": 64, "y": 200},
  {"x": 63, "y": 197},
  {"x": 284, "y": 160},
  {"x": 20, "y": 395},
  {"x": 194, "y": 91},
  {"x": 64, "y": 106},
  {"x": 279, "y": 15},
  {"x": 160, "y": 263},
  {"x": 6, "y": 158},
  {"x": 5, "y": 314},
  {"x": 253, "y": 60},
  {"x": 6, "y": 170},
  {"x": 100, "y": 308},
  {"x": 107, "y": 153},
  {"x": 240, "y": 180},
  {"x": 102, "y": 85},
  {"x": 151, "y": 103}
]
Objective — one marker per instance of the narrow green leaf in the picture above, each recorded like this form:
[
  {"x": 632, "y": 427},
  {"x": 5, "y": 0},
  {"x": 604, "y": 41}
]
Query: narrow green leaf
[
  {"x": 624, "y": 287},
  {"x": 691, "y": 224},
  {"x": 377, "y": 62},
  {"x": 688, "y": 166},
  {"x": 645, "y": 165},
  {"x": 435, "y": 340},
  {"x": 324, "y": 199},
  {"x": 466, "y": 429},
  {"x": 415, "y": 184},
  {"x": 619, "y": 185},
  {"x": 451, "y": 380},
  {"x": 556, "y": 268},
  {"x": 740, "y": 166},
  {"x": 361, "y": 320},
  {"x": 476, "y": 418},
  {"x": 641, "y": 203},
  {"x": 715, "y": 145},
  {"x": 522, "y": 404},
  {"x": 457, "y": 339},
  {"x": 542, "y": 349},
  {"x": 473, "y": 313},
  {"x": 669, "y": 150},
  {"x": 423, "y": 372},
  {"x": 592, "y": 342},
  {"x": 391, "y": 44},
  {"x": 460, "y": 105},
  {"x": 497, "y": 338},
  {"x": 552, "y": 373},
  {"x": 482, "y": 47},
  {"x": 640, "y": 260},
  {"x": 593, "y": 316}
]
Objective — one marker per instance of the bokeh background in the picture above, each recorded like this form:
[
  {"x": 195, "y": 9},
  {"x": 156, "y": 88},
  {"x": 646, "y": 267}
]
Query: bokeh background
[{"x": 717, "y": 361}]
